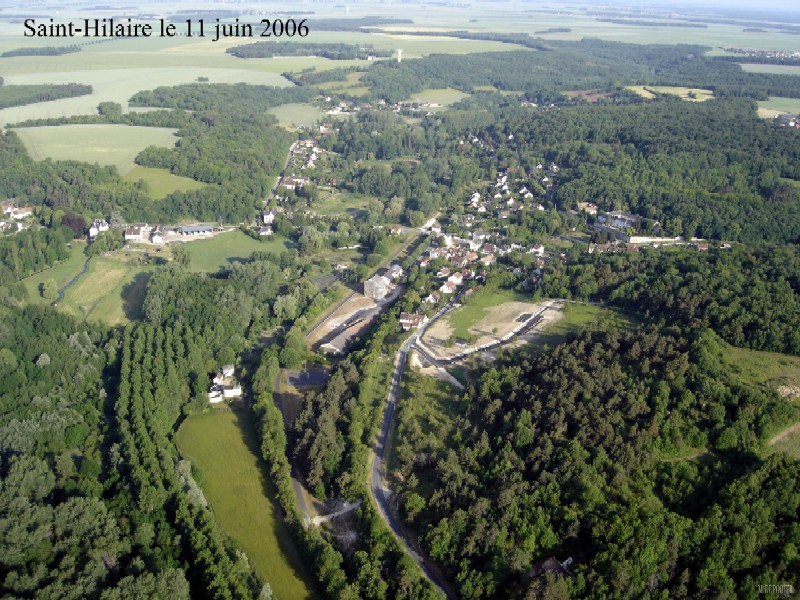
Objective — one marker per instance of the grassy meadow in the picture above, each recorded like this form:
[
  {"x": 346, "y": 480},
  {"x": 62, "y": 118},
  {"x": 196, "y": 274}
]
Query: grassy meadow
[
  {"x": 443, "y": 97},
  {"x": 297, "y": 115},
  {"x": 223, "y": 446},
  {"x": 62, "y": 273},
  {"x": 115, "y": 145},
  {"x": 159, "y": 183},
  {"x": 577, "y": 317},
  {"x": 777, "y": 105},
  {"x": 700, "y": 94},
  {"x": 111, "y": 291},
  {"x": 224, "y": 249}
]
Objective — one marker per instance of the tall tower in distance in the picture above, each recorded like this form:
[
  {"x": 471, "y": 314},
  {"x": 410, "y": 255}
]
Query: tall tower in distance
[{"x": 399, "y": 55}]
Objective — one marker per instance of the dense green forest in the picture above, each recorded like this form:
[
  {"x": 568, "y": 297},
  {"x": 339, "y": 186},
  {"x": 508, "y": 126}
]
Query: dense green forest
[
  {"x": 41, "y": 51},
  {"x": 559, "y": 65},
  {"x": 329, "y": 51},
  {"x": 18, "y": 95},
  {"x": 561, "y": 456},
  {"x": 749, "y": 296}
]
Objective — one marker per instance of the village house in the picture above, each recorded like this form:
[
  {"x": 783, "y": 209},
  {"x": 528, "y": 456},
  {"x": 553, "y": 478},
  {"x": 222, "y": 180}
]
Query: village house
[
  {"x": 377, "y": 287},
  {"x": 133, "y": 234},
  {"x": 232, "y": 391},
  {"x": 410, "y": 321},
  {"x": 8, "y": 206},
  {"x": 395, "y": 272},
  {"x": 22, "y": 212},
  {"x": 433, "y": 298},
  {"x": 456, "y": 279},
  {"x": 157, "y": 236},
  {"x": 266, "y": 230},
  {"x": 447, "y": 288}
]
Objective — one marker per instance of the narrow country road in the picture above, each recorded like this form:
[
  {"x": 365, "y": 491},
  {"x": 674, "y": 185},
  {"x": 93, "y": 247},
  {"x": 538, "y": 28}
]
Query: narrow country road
[{"x": 379, "y": 491}]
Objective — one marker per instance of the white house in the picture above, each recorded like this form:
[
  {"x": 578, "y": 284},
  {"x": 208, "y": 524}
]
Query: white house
[
  {"x": 133, "y": 234},
  {"x": 227, "y": 370},
  {"x": 232, "y": 391},
  {"x": 266, "y": 230},
  {"x": 395, "y": 272}
]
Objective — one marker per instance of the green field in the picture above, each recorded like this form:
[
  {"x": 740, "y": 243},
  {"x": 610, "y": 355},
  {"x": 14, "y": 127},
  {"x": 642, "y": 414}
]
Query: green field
[
  {"x": 443, "y": 97},
  {"x": 111, "y": 291},
  {"x": 577, "y": 317},
  {"x": 768, "y": 368},
  {"x": 61, "y": 273},
  {"x": 222, "y": 444},
  {"x": 775, "y": 69},
  {"x": 474, "y": 309},
  {"x": 115, "y": 145},
  {"x": 351, "y": 85},
  {"x": 160, "y": 182},
  {"x": 338, "y": 202},
  {"x": 297, "y": 115},
  {"x": 226, "y": 248},
  {"x": 777, "y": 105}
]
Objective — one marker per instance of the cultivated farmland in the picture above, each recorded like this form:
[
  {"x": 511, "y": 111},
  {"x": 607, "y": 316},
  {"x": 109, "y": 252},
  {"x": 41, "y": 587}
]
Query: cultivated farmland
[{"x": 115, "y": 145}]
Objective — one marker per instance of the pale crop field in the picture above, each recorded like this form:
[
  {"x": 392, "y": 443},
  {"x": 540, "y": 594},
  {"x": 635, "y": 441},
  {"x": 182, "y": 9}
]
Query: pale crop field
[
  {"x": 774, "y": 69},
  {"x": 115, "y": 145},
  {"x": 443, "y": 97}
]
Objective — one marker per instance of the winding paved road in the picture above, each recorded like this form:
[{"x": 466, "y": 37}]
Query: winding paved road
[{"x": 379, "y": 491}]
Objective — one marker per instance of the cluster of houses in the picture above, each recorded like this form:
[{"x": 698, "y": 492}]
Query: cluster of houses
[
  {"x": 293, "y": 182},
  {"x": 267, "y": 219},
  {"x": 305, "y": 153},
  {"x": 97, "y": 227},
  {"x": 787, "y": 120},
  {"x": 224, "y": 386},
  {"x": 14, "y": 212},
  {"x": 503, "y": 199}
]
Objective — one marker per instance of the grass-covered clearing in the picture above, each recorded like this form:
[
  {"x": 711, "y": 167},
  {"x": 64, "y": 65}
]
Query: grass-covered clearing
[
  {"x": 111, "y": 291},
  {"x": 222, "y": 445},
  {"x": 226, "y": 248},
  {"x": 443, "y": 97},
  {"x": 774, "y": 69},
  {"x": 475, "y": 309},
  {"x": 115, "y": 145},
  {"x": 351, "y": 85},
  {"x": 296, "y": 115},
  {"x": 61, "y": 273},
  {"x": 160, "y": 182},
  {"x": 777, "y": 105},
  {"x": 338, "y": 202},
  {"x": 768, "y": 368},
  {"x": 577, "y": 317},
  {"x": 692, "y": 94}
]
